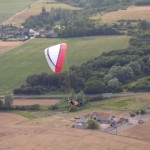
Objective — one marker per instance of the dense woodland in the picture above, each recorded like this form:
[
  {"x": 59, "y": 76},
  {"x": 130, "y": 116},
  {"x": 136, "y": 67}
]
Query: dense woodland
[
  {"x": 105, "y": 4},
  {"x": 77, "y": 23},
  {"x": 142, "y": 2},
  {"x": 68, "y": 23},
  {"x": 98, "y": 5}
]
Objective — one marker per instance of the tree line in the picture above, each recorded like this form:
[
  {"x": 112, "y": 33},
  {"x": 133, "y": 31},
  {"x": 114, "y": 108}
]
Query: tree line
[
  {"x": 7, "y": 104},
  {"x": 98, "y": 5},
  {"x": 105, "y": 4},
  {"x": 72, "y": 23},
  {"x": 110, "y": 72},
  {"x": 142, "y": 2}
]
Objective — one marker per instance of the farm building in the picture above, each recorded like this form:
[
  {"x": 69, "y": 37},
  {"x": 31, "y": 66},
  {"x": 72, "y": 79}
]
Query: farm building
[
  {"x": 85, "y": 119},
  {"x": 101, "y": 117},
  {"x": 78, "y": 125}
]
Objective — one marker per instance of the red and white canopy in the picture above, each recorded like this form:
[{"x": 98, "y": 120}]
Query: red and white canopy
[{"x": 55, "y": 56}]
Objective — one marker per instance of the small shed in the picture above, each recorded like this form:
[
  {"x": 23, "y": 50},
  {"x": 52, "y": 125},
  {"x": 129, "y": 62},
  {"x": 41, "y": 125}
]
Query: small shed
[
  {"x": 78, "y": 125},
  {"x": 102, "y": 117}
]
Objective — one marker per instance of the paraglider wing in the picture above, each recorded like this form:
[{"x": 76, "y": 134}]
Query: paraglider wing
[{"x": 55, "y": 56}]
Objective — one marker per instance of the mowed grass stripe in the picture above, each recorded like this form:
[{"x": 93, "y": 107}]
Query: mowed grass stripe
[{"x": 28, "y": 59}]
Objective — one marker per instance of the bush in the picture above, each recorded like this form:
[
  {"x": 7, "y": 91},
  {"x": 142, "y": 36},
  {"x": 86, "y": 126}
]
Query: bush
[
  {"x": 8, "y": 101},
  {"x": 143, "y": 112},
  {"x": 114, "y": 85},
  {"x": 96, "y": 98},
  {"x": 94, "y": 87},
  {"x": 141, "y": 85},
  {"x": 35, "y": 107},
  {"x": 1, "y": 104},
  {"x": 80, "y": 98},
  {"x": 132, "y": 114},
  {"x": 73, "y": 109},
  {"x": 30, "y": 90},
  {"x": 53, "y": 107},
  {"x": 92, "y": 124}
]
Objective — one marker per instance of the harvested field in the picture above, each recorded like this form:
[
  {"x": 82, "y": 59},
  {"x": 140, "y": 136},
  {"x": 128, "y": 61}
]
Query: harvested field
[
  {"x": 42, "y": 102},
  {"x": 10, "y": 119},
  {"x": 130, "y": 13},
  {"x": 5, "y": 46},
  {"x": 141, "y": 132},
  {"x": 28, "y": 136},
  {"x": 48, "y": 138}
]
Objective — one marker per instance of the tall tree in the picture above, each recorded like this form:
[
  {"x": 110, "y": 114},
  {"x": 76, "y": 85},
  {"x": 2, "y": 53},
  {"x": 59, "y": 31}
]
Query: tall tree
[
  {"x": 1, "y": 104},
  {"x": 8, "y": 101}
]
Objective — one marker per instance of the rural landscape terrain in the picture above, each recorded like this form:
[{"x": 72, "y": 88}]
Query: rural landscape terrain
[{"x": 101, "y": 97}]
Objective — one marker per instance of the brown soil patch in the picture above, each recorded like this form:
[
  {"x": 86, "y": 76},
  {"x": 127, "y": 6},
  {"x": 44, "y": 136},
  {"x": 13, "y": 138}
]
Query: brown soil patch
[
  {"x": 48, "y": 138},
  {"x": 5, "y": 46},
  {"x": 141, "y": 132},
  {"x": 42, "y": 102},
  {"x": 10, "y": 119}
]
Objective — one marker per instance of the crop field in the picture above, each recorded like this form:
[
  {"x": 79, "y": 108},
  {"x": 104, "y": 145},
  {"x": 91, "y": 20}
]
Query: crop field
[
  {"x": 130, "y": 103},
  {"x": 35, "y": 9},
  {"x": 54, "y": 132},
  {"x": 32, "y": 131},
  {"x": 29, "y": 59},
  {"x": 41, "y": 102},
  {"x": 141, "y": 132},
  {"x": 9, "y": 8},
  {"x": 130, "y": 13}
]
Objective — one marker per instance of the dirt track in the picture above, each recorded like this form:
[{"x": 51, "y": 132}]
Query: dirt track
[{"x": 23, "y": 137}]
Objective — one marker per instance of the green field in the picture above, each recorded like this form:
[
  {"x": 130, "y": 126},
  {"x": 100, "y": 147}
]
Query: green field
[
  {"x": 29, "y": 58},
  {"x": 24, "y": 114},
  {"x": 8, "y": 8},
  {"x": 131, "y": 103}
]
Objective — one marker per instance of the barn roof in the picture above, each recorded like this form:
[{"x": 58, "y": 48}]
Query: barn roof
[{"x": 104, "y": 115}]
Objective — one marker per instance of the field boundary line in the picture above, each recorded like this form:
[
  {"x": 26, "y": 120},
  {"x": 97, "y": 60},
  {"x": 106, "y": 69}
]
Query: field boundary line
[
  {"x": 15, "y": 46},
  {"x": 17, "y": 13}
]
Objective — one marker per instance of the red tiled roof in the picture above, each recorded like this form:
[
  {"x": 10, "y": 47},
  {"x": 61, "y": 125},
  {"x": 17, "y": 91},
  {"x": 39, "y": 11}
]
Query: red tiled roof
[
  {"x": 87, "y": 116},
  {"x": 105, "y": 115}
]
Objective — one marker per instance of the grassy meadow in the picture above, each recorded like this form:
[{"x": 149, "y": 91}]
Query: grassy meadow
[
  {"x": 8, "y": 8},
  {"x": 35, "y": 9},
  {"x": 29, "y": 58},
  {"x": 133, "y": 12},
  {"x": 124, "y": 103}
]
